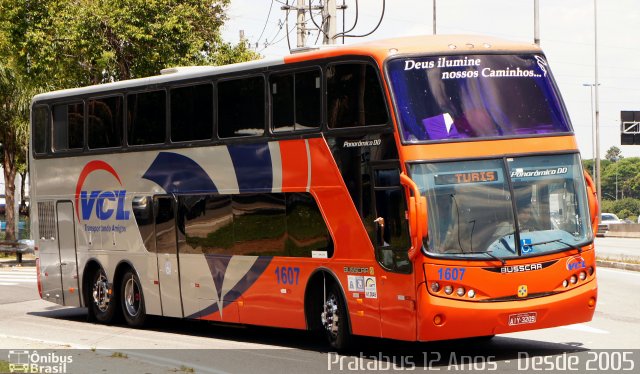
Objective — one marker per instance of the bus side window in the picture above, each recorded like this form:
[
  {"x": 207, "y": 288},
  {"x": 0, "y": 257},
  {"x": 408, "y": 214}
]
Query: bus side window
[
  {"x": 192, "y": 113},
  {"x": 68, "y": 126},
  {"x": 392, "y": 230},
  {"x": 241, "y": 107},
  {"x": 40, "y": 129},
  {"x": 354, "y": 96},
  {"x": 105, "y": 122},
  {"x": 146, "y": 117},
  {"x": 296, "y": 101}
]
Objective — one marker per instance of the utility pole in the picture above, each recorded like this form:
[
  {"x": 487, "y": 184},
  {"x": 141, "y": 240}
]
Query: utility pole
[
  {"x": 536, "y": 22},
  {"x": 300, "y": 25},
  {"x": 329, "y": 18}
]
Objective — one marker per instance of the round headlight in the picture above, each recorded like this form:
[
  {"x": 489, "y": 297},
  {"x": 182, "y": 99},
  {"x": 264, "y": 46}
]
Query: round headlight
[
  {"x": 582, "y": 275},
  {"x": 448, "y": 290},
  {"x": 435, "y": 287},
  {"x": 590, "y": 270},
  {"x": 565, "y": 283},
  {"x": 471, "y": 294},
  {"x": 573, "y": 279},
  {"x": 460, "y": 291}
]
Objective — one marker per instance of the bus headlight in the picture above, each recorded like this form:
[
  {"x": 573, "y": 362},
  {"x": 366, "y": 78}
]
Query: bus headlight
[
  {"x": 460, "y": 291},
  {"x": 582, "y": 275},
  {"x": 565, "y": 283},
  {"x": 448, "y": 290},
  {"x": 471, "y": 294},
  {"x": 435, "y": 287},
  {"x": 573, "y": 279}
]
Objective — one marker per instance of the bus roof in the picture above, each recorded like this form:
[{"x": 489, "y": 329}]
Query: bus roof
[{"x": 379, "y": 50}]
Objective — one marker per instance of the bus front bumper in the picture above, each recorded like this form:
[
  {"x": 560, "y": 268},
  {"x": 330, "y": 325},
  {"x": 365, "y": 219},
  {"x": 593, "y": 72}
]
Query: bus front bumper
[{"x": 441, "y": 318}]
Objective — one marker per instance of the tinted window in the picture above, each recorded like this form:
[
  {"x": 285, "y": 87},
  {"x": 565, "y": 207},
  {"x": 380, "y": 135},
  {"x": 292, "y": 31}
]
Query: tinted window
[
  {"x": 142, "y": 207},
  {"x": 40, "y": 126},
  {"x": 475, "y": 96},
  {"x": 104, "y": 117},
  {"x": 259, "y": 224},
  {"x": 306, "y": 229},
  {"x": 296, "y": 101},
  {"x": 146, "y": 118},
  {"x": 392, "y": 229},
  {"x": 165, "y": 225},
  {"x": 354, "y": 96},
  {"x": 192, "y": 113},
  {"x": 68, "y": 126},
  {"x": 253, "y": 224},
  {"x": 241, "y": 105},
  {"x": 207, "y": 222}
]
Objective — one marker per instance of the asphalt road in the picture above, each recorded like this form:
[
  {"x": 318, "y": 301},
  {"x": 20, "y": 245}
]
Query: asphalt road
[
  {"x": 170, "y": 345},
  {"x": 618, "y": 248}
]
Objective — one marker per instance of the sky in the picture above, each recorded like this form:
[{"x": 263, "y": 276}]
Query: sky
[{"x": 567, "y": 37}]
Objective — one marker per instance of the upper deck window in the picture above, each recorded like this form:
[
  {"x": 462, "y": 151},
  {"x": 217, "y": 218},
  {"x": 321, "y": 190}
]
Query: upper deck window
[
  {"x": 296, "y": 101},
  {"x": 68, "y": 126},
  {"x": 241, "y": 107},
  {"x": 104, "y": 117},
  {"x": 354, "y": 96},
  {"x": 475, "y": 96},
  {"x": 40, "y": 129},
  {"x": 146, "y": 117},
  {"x": 192, "y": 113}
]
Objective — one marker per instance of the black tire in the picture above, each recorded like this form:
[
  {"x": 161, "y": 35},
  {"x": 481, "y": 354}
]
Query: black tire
[
  {"x": 103, "y": 298},
  {"x": 132, "y": 300},
  {"x": 335, "y": 319}
]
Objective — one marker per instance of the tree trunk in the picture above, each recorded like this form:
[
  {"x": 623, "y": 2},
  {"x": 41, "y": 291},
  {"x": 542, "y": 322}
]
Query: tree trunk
[
  {"x": 9, "y": 185},
  {"x": 23, "y": 204}
]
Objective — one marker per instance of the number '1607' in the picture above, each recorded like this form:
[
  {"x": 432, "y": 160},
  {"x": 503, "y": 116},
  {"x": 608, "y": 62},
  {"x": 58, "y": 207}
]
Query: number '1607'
[
  {"x": 451, "y": 273},
  {"x": 288, "y": 275}
]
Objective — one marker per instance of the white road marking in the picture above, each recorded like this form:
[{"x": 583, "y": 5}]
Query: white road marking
[
  {"x": 617, "y": 271},
  {"x": 585, "y": 328},
  {"x": 8, "y": 284}
]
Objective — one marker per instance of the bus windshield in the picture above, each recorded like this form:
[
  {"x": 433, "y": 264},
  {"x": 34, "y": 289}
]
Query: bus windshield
[
  {"x": 475, "y": 96},
  {"x": 521, "y": 206}
]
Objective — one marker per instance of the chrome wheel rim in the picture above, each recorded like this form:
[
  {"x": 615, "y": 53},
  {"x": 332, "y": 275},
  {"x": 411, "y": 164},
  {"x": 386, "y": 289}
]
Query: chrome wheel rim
[
  {"x": 330, "y": 317},
  {"x": 132, "y": 297},
  {"x": 101, "y": 293}
]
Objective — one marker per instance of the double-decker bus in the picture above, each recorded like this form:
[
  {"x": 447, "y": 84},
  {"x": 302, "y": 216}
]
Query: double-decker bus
[{"x": 421, "y": 188}]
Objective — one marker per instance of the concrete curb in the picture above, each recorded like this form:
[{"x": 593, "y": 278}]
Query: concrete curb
[{"x": 618, "y": 265}]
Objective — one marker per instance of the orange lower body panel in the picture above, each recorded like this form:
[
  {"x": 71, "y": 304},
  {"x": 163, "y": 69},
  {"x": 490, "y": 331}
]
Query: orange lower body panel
[{"x": 462, "y": 319}]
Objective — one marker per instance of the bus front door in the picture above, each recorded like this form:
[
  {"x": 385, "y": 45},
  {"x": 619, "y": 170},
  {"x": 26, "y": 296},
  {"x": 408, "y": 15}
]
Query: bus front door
[
  {"x": 167, "y": 256},
  {"x": 395, "y": 283},
  {"x": 67, "y": 253}
]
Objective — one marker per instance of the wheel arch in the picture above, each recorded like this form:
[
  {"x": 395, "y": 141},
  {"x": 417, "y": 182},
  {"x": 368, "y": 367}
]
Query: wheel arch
[{"x": 314, "y": 294}]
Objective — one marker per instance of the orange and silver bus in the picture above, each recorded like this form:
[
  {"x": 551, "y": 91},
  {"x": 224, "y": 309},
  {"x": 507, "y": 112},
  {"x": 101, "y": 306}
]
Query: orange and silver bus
[{"x": 422, "y": 188}]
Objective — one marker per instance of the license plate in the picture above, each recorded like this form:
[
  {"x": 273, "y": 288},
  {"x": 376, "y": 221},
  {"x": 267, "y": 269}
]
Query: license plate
[{"x": 522, "y": 318}]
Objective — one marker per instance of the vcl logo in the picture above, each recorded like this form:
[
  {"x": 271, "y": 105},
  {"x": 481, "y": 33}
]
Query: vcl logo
[
  {"x": 576, "y": 263},
  {"x": 97, "y": 201}
]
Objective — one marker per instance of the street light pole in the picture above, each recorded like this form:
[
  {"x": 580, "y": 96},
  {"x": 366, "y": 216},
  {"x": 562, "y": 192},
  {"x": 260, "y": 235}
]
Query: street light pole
[
  {"x": 593, "y": 130},
  {"x": 597, "y": 101}
]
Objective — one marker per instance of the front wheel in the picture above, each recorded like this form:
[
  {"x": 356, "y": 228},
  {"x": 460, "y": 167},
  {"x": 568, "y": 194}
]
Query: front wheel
[
  {"x": 335, "y": 319},
  {"x": 103, "y": 307},
  {"x": 132, "y": 300}
]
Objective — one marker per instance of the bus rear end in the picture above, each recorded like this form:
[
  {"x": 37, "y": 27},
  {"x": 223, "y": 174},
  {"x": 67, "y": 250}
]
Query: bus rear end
[{"x": 508, "y": 242}]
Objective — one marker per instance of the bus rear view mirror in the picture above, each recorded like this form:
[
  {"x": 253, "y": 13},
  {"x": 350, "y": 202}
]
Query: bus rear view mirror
[{"x": 593, "y": 202}]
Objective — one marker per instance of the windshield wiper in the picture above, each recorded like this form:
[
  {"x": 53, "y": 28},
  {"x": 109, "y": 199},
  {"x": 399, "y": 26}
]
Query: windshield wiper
[
  {"x": 558, "y": 241},
  {"x": 494, "y": 257}
]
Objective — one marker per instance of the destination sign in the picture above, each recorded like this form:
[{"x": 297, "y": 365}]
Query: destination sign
[{"x": 467, "y": 177}]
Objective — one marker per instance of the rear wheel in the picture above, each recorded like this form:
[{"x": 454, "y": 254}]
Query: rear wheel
[
  {"x": 334, "y": 318},
  {"x": 103, "y": 307},
  {"x": 132, "y": 300}
]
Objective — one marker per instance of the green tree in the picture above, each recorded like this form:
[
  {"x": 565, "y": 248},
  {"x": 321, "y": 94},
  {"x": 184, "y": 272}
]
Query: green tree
[
  {"x": 613, "y": 154},
  {"x": 69, "y": 43},
  {"x": 15, "y": 96},
  {"x": 79, "y": 42}
]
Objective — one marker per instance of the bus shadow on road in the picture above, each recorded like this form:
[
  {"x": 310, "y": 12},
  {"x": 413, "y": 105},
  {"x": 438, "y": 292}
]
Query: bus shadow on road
[{"x": 478, "y": 352}]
